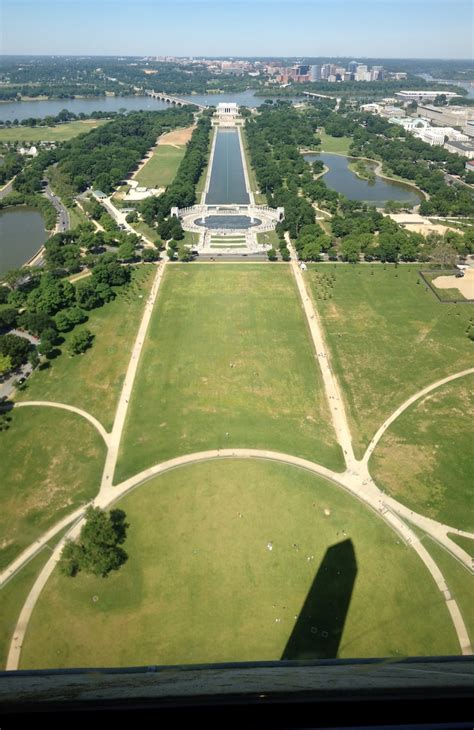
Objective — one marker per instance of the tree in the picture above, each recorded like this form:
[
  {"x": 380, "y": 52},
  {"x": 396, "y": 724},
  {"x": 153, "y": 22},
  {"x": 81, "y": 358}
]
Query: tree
[
  {"x": 80, "y": 342},
  {"x": 5, "y": 364},
  {"x": 48, "y": 342},
  {"x": 132, "y": 217},
  {"x": 184, "y": 253},
  {"x": 150, "y": 254},
  {"x": 98, "y": 549},
  {"x": 17, "y": 348},
  {"x": 444, "y": 254},
  {"x": 126, "y": 252},
  {"x": 36, "y": 322}
]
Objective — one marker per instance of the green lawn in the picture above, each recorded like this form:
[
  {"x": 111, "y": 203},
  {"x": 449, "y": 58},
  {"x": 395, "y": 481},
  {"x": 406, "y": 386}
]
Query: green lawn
[
  {"x": 59, "y": 133},
  {"x": 201, "y": 183},
  {"x": 466, "y": 543},
  {"x": 446, "y": 295},
  {"x": 202, "y": 585},
  {"x": 92, "y": 381},
  {"x": 160, "y": 169},
  {"x": 51, "y": 464},
  {"x": 389, "y": 337},
  {"x": 459, "y": 581},
  {"x": 269, "y": 238},
  {"x": 14, "y": 594},
  {"x": 187, "y": 396},
  {"x": 425, "y": 458},
  {"x": 191, "y": 238},
  {"x": 335, "y": 144},
  {"x": 144, "y": 229},
  {"x": 260, "y": 198},
  {"x": 76, "y": 216}
]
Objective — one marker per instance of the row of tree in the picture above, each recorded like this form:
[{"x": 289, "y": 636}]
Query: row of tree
[{"x": 182, "y": 191}]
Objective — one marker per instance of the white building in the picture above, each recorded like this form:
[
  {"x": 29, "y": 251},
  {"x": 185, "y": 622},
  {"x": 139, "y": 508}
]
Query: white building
[
  {"x": 228, "y": 113},
  {"x": 460, "y": 148},
  {"x": 423, "y": 95},
  {"x": 409, "y": 124},
  {"x": 372, "y": 108},
  {"x": 228, "y": 109},
  {"x": 437, "y": 135}
]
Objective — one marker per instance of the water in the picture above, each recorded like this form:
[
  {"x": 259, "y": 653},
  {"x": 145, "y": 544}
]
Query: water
[
  {"x": 227, "y": 184},
  {"x": 228, "y": 221},
  {"x": 25, "y": 109},
  {"x": 463, "y": 84},
  {"x": 342, "y": 179},
  {"x": 22, "y": 234}
]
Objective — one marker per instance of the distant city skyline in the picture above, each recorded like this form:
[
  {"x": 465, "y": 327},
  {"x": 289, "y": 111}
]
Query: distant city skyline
[{"x": 441, "y": 29}]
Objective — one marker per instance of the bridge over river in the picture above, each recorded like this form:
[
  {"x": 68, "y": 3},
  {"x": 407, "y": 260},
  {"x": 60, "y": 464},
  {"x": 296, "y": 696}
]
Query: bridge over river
[{"x": 173, "y": 100}]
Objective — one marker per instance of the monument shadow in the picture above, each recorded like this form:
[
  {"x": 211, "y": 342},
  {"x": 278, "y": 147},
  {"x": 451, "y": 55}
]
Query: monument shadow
[{"x": 318, "y": 629}]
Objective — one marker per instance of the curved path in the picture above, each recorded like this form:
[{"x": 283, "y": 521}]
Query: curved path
[
  {"x": 355, "y": 479},
  {"x": 65, "y": 407},
  {"x": 368, "y": 493},
  {"x": 407, "y": 404}
]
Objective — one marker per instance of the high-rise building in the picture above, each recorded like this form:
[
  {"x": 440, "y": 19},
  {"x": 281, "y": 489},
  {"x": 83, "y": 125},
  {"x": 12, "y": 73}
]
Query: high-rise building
[
  {"x": 352, "y": 67},
  {"x": 315, "y": 73},
  {"x": 325, "y": 70},
  {"x": 377, "y": 73}
]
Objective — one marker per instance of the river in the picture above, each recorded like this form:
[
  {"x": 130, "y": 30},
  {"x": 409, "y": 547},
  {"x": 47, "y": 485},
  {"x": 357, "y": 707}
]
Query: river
[
  {"x": 22, "y": 233},
  {"x": 341, "y": 178},
  {"x": 10, "y": 110}
]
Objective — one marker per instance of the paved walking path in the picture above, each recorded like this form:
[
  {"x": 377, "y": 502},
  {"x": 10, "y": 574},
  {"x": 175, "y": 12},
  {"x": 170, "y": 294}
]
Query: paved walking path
[
  {"x": 65, "y": 407},
  {"x": 356, "y": 479},
  {"x": 368, "y": 493},
  {"x": 121, "y": 412},
  {"x": 407, "y": 404},
  {"x": 333, "y": 394}
]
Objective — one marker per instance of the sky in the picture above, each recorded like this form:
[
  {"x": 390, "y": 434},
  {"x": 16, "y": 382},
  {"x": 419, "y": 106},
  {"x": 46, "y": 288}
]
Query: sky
[{"x": 365, "y": 28}]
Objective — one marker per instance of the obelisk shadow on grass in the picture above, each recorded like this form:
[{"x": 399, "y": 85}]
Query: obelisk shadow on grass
[{"x": 318, "y": 629}]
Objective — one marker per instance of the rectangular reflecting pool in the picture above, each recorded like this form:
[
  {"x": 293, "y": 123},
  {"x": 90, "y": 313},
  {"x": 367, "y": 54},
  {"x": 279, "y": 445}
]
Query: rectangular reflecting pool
[{"x": 227, "y": 183}]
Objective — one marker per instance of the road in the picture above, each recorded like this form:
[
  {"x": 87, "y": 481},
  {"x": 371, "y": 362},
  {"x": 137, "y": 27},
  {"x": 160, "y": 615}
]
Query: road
[
  {"x": 7, "y": 188},
  {"x": 63, "y": 223}
]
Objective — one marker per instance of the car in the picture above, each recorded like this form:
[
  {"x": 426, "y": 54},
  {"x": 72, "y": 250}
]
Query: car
[{"x": 459, "y": 274}]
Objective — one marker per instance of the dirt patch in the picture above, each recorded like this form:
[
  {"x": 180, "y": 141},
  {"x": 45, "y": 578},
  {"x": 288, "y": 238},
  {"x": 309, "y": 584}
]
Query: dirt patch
[
  {"x": 177, "y": 136},
  {"x": 465, "y": 284}
]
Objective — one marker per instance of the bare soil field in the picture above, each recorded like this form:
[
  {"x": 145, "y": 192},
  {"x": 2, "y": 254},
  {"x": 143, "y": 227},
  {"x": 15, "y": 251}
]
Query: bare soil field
[{"x": 465, "y": 284}]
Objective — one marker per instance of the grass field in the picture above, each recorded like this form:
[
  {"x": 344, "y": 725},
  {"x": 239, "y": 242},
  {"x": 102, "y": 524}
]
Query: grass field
[
  {"x": 14, "y": 594},
  {"x": 190, "y": 238},
  {"x": 446, "y": 295},
  {"x": 466, "y": 543},
  {"x": 389, "y": 337},
  {"x": 59, "y": 133},
  {"x": 260, "y": 198},
  {"x": 269, "y": 238},
  {"x": 145, "y": 230},
  {"x": 335, "y": 144},
  {"x": 425, "y": 458},
  {"x": 202, "y": 585},
  {"x": 201, "y": 183},
  {"x": 227, "y": 363},
  {"x": 160, "y": 169},
  {"x": 51, "y": 464},
  {"x": 92, "y": 381},
  {"x": 459, "y": 581}
]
